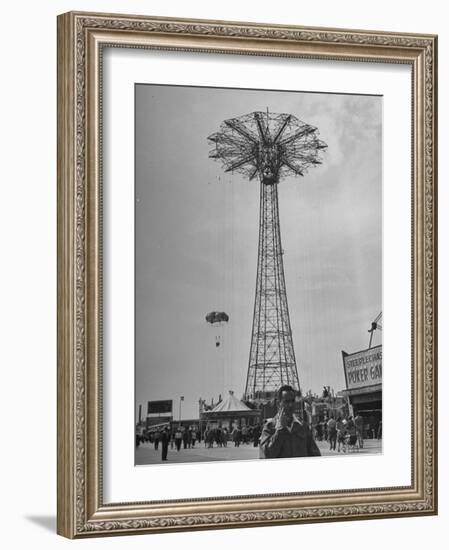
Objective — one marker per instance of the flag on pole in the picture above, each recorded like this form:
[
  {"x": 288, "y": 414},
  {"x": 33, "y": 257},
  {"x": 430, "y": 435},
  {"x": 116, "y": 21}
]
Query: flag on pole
[{"x": 182, "y": 398}]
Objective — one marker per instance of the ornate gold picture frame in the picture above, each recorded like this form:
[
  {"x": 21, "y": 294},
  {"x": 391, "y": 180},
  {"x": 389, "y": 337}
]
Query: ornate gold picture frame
[{"x": 83, "y": 510}]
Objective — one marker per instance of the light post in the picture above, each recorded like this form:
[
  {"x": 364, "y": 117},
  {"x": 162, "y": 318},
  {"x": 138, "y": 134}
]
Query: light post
[
  {"x": 181, "y": 399},
  {"x": 200, "y": 411}
]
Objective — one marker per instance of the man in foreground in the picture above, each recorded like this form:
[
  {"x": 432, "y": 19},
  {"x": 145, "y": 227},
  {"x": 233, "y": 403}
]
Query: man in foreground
[{"x": 285, "y": 436}]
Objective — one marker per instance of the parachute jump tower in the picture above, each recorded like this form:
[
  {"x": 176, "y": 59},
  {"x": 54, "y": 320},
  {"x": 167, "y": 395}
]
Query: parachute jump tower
[{"x": 270, "y": 147}]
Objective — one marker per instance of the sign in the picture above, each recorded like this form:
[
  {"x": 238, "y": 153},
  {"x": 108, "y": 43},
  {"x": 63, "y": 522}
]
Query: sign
[
  {"x": 158, "y": 407},
  {"x": 363, "y": 368}
]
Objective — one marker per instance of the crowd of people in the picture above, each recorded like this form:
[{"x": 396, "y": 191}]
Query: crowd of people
[
  {"x": 237, "y": 435},
  {"x": 186, "y": 438},
  {"x": 177, "y": 437},
  {"x": 283, "y": 436},
  {"x": 345, "y": 431}
]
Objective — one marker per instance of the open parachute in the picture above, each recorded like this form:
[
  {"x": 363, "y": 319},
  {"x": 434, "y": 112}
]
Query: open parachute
[{"x": 217, "y": 317}]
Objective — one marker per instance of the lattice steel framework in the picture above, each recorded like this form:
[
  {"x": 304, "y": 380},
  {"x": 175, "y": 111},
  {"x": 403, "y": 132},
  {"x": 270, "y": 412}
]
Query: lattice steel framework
[{"x": 270, "y": 146}]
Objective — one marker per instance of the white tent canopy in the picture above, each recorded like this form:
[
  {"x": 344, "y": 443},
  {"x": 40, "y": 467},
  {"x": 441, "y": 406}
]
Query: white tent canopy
[{"x": 230, "y": 404}]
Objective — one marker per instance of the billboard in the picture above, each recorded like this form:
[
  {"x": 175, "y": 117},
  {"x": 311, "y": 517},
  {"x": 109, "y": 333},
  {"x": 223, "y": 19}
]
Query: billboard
[
  {"x": 363, "y": 368},
  {"x": 160, "y": 407}
]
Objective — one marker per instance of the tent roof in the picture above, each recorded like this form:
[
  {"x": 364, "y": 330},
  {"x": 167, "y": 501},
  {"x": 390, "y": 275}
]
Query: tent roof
[{"x": 231, "y": 403}]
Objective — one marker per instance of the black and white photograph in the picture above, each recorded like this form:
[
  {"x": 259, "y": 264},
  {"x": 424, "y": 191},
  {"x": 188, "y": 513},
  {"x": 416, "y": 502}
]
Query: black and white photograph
[{"x": 258, "y": 274}]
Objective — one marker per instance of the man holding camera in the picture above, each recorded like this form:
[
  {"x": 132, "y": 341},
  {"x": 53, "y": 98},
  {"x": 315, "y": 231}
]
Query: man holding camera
[{"x": 285, "y": 435}]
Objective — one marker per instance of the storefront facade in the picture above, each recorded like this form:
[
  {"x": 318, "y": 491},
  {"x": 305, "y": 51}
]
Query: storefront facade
[{"x": 363, "y": 375}]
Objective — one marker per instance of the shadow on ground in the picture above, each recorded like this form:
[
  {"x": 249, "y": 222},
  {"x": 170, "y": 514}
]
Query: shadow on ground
[{"x": 46, "y": 522}]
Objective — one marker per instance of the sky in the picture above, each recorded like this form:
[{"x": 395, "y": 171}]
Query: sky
[{"x": 197, "y": 237}]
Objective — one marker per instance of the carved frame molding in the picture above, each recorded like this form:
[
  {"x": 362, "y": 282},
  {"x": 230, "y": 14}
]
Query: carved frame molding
[{"x": 81, "y": 38}]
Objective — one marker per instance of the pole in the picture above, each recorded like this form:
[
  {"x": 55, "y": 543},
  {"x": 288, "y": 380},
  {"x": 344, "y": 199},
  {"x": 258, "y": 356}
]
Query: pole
[
  {"x": 200, "y": 414},
  {"x": 181, "y": 399},
  {"x": 371, "y": 338}
]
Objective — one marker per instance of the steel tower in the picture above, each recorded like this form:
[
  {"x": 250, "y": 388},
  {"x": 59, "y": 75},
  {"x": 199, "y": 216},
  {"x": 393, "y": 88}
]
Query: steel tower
[{"x": 271, "y": 147}]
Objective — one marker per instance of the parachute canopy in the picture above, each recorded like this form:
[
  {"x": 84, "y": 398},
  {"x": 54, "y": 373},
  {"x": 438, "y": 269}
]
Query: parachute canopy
[{"x": 217, "y": 317}]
